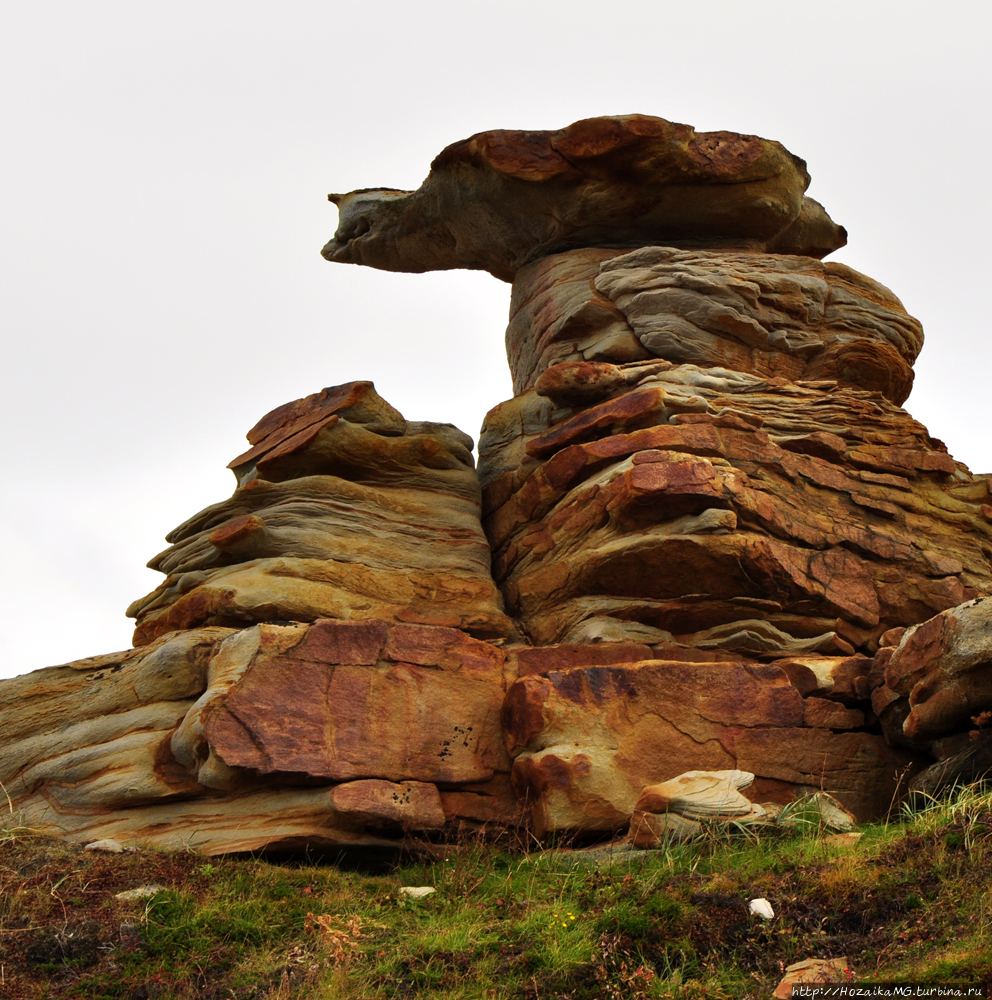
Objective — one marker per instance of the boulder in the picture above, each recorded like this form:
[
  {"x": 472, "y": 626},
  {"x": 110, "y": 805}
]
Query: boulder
[
  {"x": 944, "y": 668},
  {"x": 700, "y": 795},
  {"x": 499, "y": 200}
]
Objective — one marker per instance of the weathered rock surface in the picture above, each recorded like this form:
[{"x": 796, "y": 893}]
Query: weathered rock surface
[
  {"x": 703, "y": 537},
  {"x": 587, "y": 741},
  {"x": 709, "y": 498},
  {"x": 344, "y": 510},
  {"x": 502, "y": 199},
  {"x": 766, "y": 314},
  {"x": 943, "y": 667},
  {"x": 277, "y": 736}
]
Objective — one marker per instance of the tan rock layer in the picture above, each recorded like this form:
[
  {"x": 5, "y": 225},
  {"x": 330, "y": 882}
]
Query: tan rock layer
[{"x": 343, "y": 509}]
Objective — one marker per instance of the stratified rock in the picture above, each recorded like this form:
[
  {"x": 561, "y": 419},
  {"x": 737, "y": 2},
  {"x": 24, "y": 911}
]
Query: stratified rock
[
  {"x": 706, "y": 499},
  {"x": 587, "y": 741},
  {"x": 770, "y": 315},
  {"x": 944, "y": 668},
  {"x": 276, "y": 736},
  {"x": 502, "y": 199},
  {"x": 344, "y": 510}
]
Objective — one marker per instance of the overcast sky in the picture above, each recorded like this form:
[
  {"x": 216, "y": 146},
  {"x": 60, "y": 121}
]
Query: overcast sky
[{"x": 163, "y": 183}]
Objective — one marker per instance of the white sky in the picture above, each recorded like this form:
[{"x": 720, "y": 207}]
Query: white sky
[{"x": 163, "y": 182}]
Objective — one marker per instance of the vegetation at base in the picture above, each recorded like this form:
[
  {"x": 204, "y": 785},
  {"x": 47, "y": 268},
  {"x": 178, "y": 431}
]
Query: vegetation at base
[{"x": 911, "y": 901}]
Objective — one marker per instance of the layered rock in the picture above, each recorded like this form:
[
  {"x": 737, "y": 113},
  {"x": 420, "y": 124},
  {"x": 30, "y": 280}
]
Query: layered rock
[
  {"x": 331, "y": 735},
  {"x": 703, "y": 536},
  {"x": 502, "y": 199},
  {"x": 343, "y": 509},
  {"x": 771, "y": 315},
  {"x": 701, "y": 498}
]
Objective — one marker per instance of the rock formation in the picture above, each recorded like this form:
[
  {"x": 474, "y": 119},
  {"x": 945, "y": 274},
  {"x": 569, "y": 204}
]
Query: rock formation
[{"x": 703, "y": 536}]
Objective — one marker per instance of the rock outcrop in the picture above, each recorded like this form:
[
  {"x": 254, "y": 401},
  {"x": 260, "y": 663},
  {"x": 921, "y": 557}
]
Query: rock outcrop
[
  {"x": 703, "y": 536},
  {"x": 343, "y": 509},
  {"x": 333, "y": 735}
]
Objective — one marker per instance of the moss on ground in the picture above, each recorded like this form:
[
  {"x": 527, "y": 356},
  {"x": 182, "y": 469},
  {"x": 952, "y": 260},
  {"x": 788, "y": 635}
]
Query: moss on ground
[{"x": 909, "y": 902}]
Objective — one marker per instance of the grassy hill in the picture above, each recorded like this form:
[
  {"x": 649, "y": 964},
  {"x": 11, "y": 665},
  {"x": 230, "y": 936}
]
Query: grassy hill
[{"x": 911, "y": 901}]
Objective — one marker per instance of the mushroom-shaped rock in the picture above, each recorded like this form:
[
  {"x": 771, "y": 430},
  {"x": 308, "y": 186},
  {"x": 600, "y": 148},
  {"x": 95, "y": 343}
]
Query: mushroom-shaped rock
[{"x": 502, "y": 199}]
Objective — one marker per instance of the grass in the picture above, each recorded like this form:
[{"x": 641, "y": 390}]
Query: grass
[{"x": 910, "y": 902}]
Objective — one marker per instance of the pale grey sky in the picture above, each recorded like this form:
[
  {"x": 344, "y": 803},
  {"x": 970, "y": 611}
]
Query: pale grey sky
[{"x": 163, "y": 185}]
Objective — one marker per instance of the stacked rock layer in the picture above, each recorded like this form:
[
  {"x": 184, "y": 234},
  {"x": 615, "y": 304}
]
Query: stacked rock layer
[{"x": 703, "y": 537}]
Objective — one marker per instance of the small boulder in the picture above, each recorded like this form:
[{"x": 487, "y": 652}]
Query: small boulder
[
  {"x": 416, "y": 891},
  {"x": 700, "y": 795},
  {"x": 142, "y": 892},
  {"x": 812, "y": 970}
]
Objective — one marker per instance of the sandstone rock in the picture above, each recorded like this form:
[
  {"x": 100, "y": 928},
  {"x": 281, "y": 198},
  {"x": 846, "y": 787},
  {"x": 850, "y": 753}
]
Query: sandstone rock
[
  {"x": 769, "y": 315},
  {"x": 704, "y": 498},
  {"x": 812, "y": 970},
  {"x": 343, "y": 510},
  {"x": 277, "y": 737},
  {"x": 503, "y": 198},
  {"x": 703, "y": 528},
  {"x": 585, "y": 741},
  {"x": 700, "y": 795},
  {"x": 944, "y": 668},
  {"x": 420, "y": 704}
]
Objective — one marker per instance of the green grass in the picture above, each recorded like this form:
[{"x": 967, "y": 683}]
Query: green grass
[{"x": 911, "y": 902}]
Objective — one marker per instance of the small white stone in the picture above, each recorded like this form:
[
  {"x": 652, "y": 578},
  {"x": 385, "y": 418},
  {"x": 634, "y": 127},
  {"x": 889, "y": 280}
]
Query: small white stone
[
  {"x": 142, "y": 892},
  {"x": 110, "y": 846},
  {"x": 761, "y": 908},
  {"x": 416, "y": 891}
]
